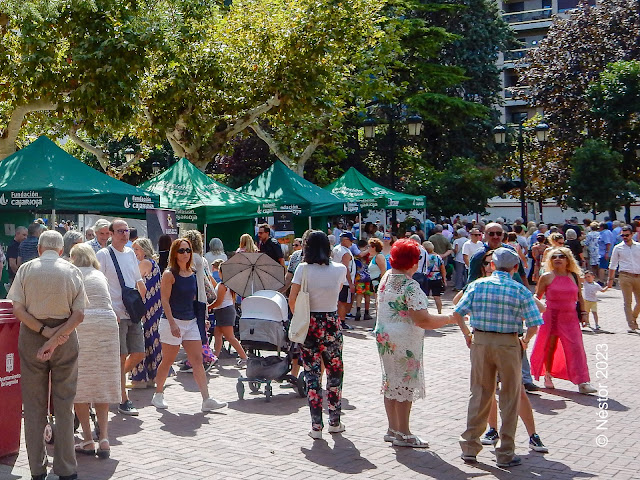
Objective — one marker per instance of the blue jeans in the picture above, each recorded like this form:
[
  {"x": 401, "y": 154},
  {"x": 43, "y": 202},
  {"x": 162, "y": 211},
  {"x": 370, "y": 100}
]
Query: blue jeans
[
  {"x": 526, "y": 369},
  {"x": 460, "y": 275}
]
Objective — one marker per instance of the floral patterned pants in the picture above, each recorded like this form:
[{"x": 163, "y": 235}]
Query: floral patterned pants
[{"x": 324, "y": 342}]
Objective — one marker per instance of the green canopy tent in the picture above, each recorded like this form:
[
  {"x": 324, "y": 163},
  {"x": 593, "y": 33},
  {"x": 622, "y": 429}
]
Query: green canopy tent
[
  {"x": 296, "y": 194},
  {"x": 197, "y": 198},
  {"x": 355, "y": 187},
  {"x": 43, "y": 177}
]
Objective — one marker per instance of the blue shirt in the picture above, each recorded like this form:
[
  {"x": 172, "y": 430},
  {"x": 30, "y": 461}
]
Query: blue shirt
[
  {"x": 499, "y": 304},
  {"x": 606, "y": 238},
  {"x": 29, "y": 249},
  {"x": 475, "y": 264}
]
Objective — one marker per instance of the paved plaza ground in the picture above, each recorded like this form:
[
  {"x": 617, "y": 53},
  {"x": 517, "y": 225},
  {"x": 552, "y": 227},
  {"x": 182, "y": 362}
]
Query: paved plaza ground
[{"x": 253, "y": 439}]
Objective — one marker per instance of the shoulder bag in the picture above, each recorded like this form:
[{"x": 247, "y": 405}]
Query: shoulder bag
[
  {"x": 133, "y": 303},
  {"x": 299, "y": 325}
]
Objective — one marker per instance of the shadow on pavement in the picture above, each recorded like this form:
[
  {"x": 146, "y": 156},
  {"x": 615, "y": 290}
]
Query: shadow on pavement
[
  {"x": 184, "y": 425},
  {"x": 428, "y": 462},
  {"x": 344, "y": 457},
  {"x": 579, "y": 398},
  {"x": 543, "y": 468},
  {"x": 281, "y": 404}
]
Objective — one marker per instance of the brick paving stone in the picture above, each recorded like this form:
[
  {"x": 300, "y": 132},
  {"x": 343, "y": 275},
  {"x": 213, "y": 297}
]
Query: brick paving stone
[{"x": 255, "y": 439}]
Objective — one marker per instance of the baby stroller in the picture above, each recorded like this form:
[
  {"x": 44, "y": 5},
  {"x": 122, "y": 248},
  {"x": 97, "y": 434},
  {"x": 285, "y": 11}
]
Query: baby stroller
[{"x": 263, "y": 327}]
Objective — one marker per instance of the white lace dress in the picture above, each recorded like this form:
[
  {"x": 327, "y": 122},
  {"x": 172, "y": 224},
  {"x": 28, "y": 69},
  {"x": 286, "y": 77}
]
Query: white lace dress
[{"x": 399, "y": 340}]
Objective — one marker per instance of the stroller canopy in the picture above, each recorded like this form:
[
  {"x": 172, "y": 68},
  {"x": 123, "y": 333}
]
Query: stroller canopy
[{"x": 266, "y": 305}]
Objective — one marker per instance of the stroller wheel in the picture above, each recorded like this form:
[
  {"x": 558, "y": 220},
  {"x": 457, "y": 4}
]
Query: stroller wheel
[
  {"x": 240, "y": 389},
  {"x": 49, "y": 431},
  {"x": 302, "y": 385},
  {"x": 267, "y": 393},
  {"x": 254, "y": 386}
]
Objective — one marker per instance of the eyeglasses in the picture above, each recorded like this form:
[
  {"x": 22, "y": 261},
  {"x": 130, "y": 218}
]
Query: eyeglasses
[
  {"x": 478, "y": 234},
  {"x": 495, "y": 234},
  {"x": 122, "y": 231},
  {"x": 558, "y": 255},
  {"x": 184, "y": 250},
  {"x": 625, "y": 235},
  {"x": 296, "y": 244}
]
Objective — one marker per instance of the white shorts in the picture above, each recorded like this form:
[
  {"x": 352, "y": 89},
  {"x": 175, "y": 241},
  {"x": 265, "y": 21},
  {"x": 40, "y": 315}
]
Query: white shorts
[{"x": 188, "y": 331}]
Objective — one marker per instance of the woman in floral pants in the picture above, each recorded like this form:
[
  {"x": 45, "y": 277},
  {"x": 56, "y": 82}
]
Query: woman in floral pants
[{"x": 324, "y": 338}]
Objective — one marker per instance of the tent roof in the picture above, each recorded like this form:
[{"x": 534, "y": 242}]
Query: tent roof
[
  {"x": 355, "y": 187},
  {"x": 197, "y": 197},
  {"x": 297, "y": 195},
  {"x": 42, "y": 176}
]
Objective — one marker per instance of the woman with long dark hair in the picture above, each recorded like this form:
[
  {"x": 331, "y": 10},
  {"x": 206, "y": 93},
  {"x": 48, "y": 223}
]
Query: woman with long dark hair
[
  {"x": 324, "y": 338},
  {"x": 178, "y": 325}
]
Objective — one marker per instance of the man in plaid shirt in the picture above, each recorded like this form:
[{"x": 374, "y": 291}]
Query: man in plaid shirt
[{"x": 496, "y": 306}]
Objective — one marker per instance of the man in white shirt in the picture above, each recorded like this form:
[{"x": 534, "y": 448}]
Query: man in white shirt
[
  {"x": 472, "y": 246},
  {"x": 626, "y": 257},
  {"x": 460, "y": 274},
  {"x": 132, "y": 349},
  {"x": 342, "y": 254}
]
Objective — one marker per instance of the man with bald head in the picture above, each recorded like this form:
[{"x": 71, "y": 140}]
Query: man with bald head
[{"x": 49, "y": 300}]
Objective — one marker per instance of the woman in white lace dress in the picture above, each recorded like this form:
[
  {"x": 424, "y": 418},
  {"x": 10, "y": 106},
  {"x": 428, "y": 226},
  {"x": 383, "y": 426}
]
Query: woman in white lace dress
[{"x": 402, "y": 316}]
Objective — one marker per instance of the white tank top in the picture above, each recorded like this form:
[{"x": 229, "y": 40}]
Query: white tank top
[{"x": 227, "y": 300}]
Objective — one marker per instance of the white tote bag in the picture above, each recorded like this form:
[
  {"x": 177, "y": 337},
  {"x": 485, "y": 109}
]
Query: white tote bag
[{"x": 299, "y": 325}]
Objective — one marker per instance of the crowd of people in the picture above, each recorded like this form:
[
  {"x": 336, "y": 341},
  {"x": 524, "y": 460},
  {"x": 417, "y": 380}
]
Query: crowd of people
[{"x": 74, "y": 297}]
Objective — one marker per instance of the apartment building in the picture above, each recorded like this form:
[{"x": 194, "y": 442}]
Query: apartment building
[{"x": 530, "y": 19}]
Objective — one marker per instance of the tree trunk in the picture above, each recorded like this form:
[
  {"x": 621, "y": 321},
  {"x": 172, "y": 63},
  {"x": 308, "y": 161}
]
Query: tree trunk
[
  {"x": 627, "y": 213},
  {"x": 612, "y": 214},
  {"x": 9, "y": 135}
]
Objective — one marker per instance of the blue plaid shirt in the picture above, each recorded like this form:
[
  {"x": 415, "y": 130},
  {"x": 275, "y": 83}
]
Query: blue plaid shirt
[{"x": 499, "y": 304}]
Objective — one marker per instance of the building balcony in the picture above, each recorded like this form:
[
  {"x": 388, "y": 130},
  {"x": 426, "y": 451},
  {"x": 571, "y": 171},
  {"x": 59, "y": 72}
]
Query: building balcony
[
  {"x": 529, "y": 19},
  {"x": 515, "y": 55},
  {"x": 516, "y": 93}
]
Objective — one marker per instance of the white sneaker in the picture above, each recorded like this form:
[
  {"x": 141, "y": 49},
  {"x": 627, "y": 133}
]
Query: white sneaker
[
  {"x": 158, "y": 401},
  {"x": 336, "y": 428},
  {"x": 315, "y": 434},
  {"x": 210, "y": 404},
  {"x": 586, "y": 388}
]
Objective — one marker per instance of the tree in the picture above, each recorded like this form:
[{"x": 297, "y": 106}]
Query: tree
[
  {"x": 230, "y": 66},
  {"x": 81, "y": 60},
  {"x": 596, "y": 183},
  {"x": 460, "y": 188},
  {"x": 574, "y": 53}
]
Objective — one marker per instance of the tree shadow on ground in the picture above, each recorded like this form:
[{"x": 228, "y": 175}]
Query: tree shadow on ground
[{"x": 344, "y": 457}]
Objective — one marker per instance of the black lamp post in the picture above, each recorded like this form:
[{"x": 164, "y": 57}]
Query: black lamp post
[{"x": 500, "y": 134}]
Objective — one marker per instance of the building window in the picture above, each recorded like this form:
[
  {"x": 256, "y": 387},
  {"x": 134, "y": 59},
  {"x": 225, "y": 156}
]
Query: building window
[
  {"x": 517, "y": 117},
  {"x": 514, "y": 7}
]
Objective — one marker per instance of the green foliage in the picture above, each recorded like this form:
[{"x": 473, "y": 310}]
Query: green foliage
[
  {"x": 615, "y": 99},
  {"x": 460, "y": 188},
  {"x": 596, "y": 183}
]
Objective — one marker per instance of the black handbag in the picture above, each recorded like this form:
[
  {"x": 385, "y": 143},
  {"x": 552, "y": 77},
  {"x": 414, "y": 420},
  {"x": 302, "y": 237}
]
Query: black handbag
[{"x": 133, "y": 303}]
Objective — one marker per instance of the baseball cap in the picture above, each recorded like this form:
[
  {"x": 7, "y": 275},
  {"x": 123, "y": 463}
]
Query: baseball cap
[
  {"x": 348, "y": 235},
  {"x": 504, "y": 258}
]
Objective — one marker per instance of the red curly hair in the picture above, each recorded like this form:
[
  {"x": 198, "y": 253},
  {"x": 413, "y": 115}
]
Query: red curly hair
[{"x": 405, "y": 253}]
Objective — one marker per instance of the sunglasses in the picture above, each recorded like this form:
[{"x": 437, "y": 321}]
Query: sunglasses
[
  {"x": 495, "y": 234},
  {"x": 558, "y": 255},
  {"x": 296, "y": 244},
  {"x": 184, "y": 250},
  {"x": 122, "y": 231},
  {"x": 625, "y": 235},
  {"x": 476, "y": 234}
]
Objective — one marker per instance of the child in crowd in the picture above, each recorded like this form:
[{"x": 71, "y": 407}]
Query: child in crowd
[{"x": 589, "y": 291}]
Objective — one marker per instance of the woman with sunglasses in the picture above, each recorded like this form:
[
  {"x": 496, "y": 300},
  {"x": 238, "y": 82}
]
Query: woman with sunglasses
[
  {"x": 178, "y": 325},
  {"x": 559, "y": 350}
]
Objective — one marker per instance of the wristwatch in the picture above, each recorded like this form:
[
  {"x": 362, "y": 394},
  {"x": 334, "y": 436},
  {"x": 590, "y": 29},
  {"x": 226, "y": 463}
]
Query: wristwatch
[{"x": 41, "y": 329}]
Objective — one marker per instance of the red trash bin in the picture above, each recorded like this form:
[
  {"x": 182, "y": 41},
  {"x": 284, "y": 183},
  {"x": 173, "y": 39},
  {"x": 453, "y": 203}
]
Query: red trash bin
[{"x": 10, "y": 391}]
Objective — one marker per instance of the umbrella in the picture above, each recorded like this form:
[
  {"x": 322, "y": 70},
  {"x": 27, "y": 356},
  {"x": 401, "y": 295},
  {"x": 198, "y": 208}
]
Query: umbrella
[{"x": 245, "y": 273}]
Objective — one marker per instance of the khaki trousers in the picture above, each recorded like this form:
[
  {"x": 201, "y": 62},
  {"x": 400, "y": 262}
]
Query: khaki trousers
[
  {"x": 491, "y": 354},
  {"x": 63, "y": 368},
  {"x": 630, "y": 287}
]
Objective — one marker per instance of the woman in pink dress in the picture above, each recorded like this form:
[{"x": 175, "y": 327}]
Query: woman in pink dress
[{"x": 559, "y": 351}]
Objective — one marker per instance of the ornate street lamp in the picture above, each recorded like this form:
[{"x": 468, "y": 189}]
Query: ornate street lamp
[
  {"x": 414, "y": 123},
  {"x": 542, "y": 129},
  {"x": 155, "y": 167},
  {"x": 129, "y": 154},
  {"x": 638, "y": 151},
  {"x": 500, "y": 134},
  {"x": 369, "y": 127}
]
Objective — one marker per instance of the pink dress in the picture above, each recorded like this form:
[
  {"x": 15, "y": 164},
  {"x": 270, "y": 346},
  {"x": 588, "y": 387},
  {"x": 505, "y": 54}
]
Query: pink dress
[{"x": 561, "y": 320}]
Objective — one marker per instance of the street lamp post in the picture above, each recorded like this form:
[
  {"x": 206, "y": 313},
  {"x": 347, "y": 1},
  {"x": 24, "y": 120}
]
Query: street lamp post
[{"x": 500, "y": 135}]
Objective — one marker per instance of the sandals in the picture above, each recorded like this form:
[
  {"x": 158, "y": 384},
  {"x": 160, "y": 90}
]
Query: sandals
[
  {"x": 411, "y": 441},
  {"x": 390, "y": 436},
  {"x": 103, "y": 452},
  {"x": 80, "y": 448}
]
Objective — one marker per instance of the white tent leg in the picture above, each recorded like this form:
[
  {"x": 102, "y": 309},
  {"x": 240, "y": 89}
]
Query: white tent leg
[
  {"x": 309, "y": 222},
  {"x": 52, "y": 224}
]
